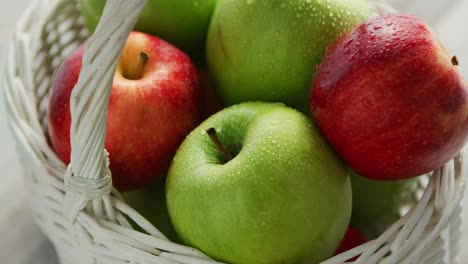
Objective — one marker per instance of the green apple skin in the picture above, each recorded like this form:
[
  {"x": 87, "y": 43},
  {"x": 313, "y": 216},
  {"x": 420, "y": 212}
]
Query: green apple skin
[
  {"x": 377, "y": 204},
  {"x": 285, "y": 197},
  {"x": 268, "y": 50},
  {"x": 150, "y": 202},
  {"x": 183, "y": 23}
]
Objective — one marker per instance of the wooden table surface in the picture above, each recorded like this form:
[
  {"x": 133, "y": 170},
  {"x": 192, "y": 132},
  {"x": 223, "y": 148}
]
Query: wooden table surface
[{"x": 21, "y": 240}]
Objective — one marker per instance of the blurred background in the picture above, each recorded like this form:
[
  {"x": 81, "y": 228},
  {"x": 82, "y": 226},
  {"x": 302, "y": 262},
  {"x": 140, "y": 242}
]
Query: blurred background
[{"x": 21, "y": 240}]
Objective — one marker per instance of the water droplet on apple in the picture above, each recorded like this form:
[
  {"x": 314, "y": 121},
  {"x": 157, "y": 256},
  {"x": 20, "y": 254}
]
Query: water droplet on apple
[
  {"x": 274, "y": 141},
  {"x": 275, "y": 122}
]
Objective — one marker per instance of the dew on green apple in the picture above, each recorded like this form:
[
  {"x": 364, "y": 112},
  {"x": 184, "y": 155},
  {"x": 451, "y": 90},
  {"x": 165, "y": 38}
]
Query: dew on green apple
[
  {"x": 275, "y": 122},
  {"x": 300, "y": 21}
]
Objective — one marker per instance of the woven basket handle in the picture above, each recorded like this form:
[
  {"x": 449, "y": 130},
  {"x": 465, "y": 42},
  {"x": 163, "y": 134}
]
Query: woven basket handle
[{"x": 88, "y": 175}]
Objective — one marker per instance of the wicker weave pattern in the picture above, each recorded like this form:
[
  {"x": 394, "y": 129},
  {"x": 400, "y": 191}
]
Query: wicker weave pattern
[
  {"x": 93, "y": 227},
  {"x": 101, "y": 233}
]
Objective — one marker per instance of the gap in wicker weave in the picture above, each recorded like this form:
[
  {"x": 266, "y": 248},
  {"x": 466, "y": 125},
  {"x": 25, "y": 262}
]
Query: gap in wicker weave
[{"x": 68, "y": 32}]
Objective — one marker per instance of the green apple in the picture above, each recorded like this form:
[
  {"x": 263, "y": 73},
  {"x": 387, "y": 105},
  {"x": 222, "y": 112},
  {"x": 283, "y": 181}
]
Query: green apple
[
  {"x": 183, "y": 23},
  {"x": 257, "y": 183},
  {"x": 377, "y": 204},
  {"x": 268, "y": 50},
  {"x": 150, "y": 202}
]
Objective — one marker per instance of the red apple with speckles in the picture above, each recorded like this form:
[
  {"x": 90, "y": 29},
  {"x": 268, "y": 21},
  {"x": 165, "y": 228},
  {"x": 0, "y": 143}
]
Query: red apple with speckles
[
  {"x": 155, "y": 102},
  {"x": 390, "y": 99}
]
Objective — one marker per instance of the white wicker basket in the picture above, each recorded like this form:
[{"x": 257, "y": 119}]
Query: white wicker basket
[{"x": 77, "y": 207}]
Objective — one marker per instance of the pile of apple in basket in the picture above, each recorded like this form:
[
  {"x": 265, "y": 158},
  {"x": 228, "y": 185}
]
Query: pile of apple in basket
[{"x": 272, "y": 130}]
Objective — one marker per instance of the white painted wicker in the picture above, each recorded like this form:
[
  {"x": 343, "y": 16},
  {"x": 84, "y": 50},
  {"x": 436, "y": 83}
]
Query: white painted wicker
[{"x": 77, "y": 207}]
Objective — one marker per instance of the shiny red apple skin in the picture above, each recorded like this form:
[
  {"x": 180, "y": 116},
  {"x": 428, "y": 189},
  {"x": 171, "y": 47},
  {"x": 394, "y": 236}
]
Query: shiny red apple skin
[
  {"x": 389, "y": 100},
  {"x": 352, "y": 239},
  {"x": 147, "y": 118}
]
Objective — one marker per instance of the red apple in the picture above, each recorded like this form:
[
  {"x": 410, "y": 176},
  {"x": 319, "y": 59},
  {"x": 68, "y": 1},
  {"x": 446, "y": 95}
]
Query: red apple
[
  {"x": 352, "y": 239},
  {"x": 155, "y": 102},
  {"x": 390, "y": 99}
]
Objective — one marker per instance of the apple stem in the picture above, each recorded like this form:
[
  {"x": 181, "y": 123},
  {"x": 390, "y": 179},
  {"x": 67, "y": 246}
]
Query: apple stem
[
  {"x": 454, "y": 61},
  {"x": 138, "y": 71},
  {"x": 214, "y": 137}
]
